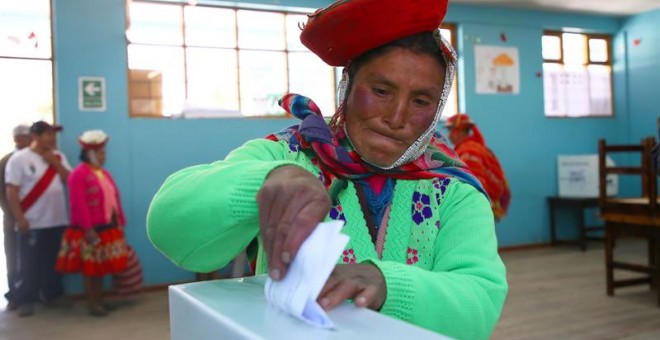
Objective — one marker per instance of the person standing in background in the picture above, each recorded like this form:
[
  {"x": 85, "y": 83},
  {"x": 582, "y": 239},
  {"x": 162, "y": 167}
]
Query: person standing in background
[
  {"x": 94, "y": 245},
  {"x": 35, "y": 178},
  {"x": 471, "y": 148},
  {"x": 22, "y": 140}
]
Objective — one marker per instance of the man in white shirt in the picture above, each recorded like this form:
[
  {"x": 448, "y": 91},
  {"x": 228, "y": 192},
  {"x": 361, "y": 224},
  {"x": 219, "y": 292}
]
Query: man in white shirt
[
  {"x": 35, "y": 180},
  {"x": 22, "y": 139}
]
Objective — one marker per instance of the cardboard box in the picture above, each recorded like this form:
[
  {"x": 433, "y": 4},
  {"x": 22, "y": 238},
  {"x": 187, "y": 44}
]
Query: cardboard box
[
  {"x": 578, "y": 176},
  {"x": 237, "y": 309}
]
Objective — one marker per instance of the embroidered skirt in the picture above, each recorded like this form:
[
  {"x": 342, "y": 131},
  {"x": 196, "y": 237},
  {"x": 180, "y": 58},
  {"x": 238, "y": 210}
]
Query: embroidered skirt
[{"x": 108, "y": 256}]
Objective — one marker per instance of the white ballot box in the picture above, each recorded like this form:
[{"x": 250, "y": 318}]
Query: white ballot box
[
  {"x": 578, "y": 176},
  {"x": 237, "y": 309}
]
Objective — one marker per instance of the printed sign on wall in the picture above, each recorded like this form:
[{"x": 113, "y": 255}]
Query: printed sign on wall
[
  {"x": 497, "y": 70},
  {"x": 91, "y": 94}
]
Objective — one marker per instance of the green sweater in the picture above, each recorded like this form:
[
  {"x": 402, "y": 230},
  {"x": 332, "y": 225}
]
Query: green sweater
[{"x": 439, "y": 257}]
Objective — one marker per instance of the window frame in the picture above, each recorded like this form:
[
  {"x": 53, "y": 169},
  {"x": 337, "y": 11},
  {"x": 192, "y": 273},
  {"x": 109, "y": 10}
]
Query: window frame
[
  {"x": 453, "y": 28},
  {"x": 560, "y": 61},
  {"x": 236, "y": 49},
  {"x": 50, "y": 59}
]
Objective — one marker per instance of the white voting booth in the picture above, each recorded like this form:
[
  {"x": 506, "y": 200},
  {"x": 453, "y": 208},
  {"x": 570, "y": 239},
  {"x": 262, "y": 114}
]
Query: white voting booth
[
  {"x": 578, "y": 176},
  {"x": 237, "y": 309}
]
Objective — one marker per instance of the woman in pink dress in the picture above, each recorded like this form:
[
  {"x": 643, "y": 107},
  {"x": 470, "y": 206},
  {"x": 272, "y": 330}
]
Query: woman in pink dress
[{"x": 94, "y": 245}]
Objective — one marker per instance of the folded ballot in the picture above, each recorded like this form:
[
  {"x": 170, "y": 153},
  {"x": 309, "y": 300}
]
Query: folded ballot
[{"x": 296, "y": 294}]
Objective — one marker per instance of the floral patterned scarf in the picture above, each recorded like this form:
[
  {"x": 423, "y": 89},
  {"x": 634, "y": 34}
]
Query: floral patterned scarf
[{"x": 337, "y": 158}]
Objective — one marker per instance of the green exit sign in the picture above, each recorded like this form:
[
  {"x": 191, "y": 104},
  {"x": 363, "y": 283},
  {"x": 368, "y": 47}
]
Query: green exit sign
[{"x": 91, "y": 94}]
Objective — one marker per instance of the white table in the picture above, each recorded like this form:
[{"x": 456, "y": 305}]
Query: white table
[{"x": 237, "y": 309}]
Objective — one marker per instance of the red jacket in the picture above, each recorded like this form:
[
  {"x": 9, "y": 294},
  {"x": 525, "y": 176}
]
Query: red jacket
[{"x": 487, "y": 169}]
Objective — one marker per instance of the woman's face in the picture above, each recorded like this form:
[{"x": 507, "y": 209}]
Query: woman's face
[
  {"x": 100, "y": 156},
  {"x": 393, "y": 100}
]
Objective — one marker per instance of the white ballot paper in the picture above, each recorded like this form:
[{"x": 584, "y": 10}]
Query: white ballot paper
[{"x": 296, "y": 294}]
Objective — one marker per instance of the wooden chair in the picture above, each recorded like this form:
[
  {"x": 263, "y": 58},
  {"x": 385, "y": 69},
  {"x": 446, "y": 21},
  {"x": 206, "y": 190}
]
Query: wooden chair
[{"x": 637, "y": 216}]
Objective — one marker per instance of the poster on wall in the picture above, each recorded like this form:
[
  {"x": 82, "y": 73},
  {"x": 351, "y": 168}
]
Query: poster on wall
[
  {"x": 91, "y": 94},
  {"x": 497, "y": 70}
]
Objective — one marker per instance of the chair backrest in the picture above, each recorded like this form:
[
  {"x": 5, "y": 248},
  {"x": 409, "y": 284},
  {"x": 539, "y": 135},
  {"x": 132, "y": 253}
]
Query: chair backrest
[{"x": 646, "y": 168}]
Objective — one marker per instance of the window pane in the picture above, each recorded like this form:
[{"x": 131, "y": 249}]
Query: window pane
[
  {"x": 551, "y": 47},
  {"x": 320, "y": 87},
  {"x": 446, "y": 33},
  {"x": 575, "y": 48},
  {"x": 208, "y": 26},
  {"x": 263, "y": 81},
  {"x": 261, "y": 30},
  {"x": 600, "y": 89},
  {"x": 566, "y": 90},
  {"x": 155, "y": 24},
  {"x": 293, "y": 32},
  {"x": 577, "y": 90},
  {"x": 166, "y": 62},
  {"x": 554, "y": 94},
  {"x": 212, "y": 81},
  {"x": 451, "y": 108},
  {"x": 598, "y": 50},
  {"x": 25, "y": 29},
  {"x": 27, "y": 100}
]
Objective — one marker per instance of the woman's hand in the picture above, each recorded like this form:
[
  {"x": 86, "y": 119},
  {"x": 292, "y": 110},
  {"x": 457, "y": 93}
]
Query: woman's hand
[
  {"x": 364, "y": 283},
  {"x": 292, "y": 201},
  {"x": 91, "y": 237}
]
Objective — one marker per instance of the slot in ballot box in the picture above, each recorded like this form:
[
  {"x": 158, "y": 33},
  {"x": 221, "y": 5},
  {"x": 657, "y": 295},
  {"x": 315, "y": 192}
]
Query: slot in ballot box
[{"x": 237, "y": 309}]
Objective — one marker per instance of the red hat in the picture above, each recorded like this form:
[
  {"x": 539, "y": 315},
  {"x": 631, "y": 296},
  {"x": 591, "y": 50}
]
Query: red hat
[
  {"x": 459, "y": 120},
  {"x": 348, "y": 28},
  {"x": 93, "y": 139}
]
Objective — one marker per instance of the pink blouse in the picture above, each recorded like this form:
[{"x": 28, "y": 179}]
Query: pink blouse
[{"x": 93, "y": 199}]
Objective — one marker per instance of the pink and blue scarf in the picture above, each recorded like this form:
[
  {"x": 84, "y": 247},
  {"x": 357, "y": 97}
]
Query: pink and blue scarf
[{"x": 337, "y": 158}]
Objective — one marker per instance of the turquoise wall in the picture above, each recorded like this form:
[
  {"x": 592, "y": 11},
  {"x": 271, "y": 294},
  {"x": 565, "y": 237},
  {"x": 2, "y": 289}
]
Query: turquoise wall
[
  {"x": 526, "y": 142},
  {"x": 642, "y": 44},
  {"x": 89, "y": 41}
]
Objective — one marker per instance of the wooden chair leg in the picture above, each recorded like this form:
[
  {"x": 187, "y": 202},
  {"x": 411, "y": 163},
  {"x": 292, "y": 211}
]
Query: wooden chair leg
[
  {"x": 656, "y": 265},
  {"x": 654, "y": 253},
  {"x": 652, "y": 260},
  {"x": 609, "y": 258},
  {"x": 652, "y": 245}
]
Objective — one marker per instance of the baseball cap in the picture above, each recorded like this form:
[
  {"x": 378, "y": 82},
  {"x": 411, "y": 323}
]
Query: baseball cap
[{"x": 41, "y": 127}]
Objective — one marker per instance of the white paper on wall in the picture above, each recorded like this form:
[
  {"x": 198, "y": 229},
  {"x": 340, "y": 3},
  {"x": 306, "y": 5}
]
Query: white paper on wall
[{"x": 497, "y": 70}]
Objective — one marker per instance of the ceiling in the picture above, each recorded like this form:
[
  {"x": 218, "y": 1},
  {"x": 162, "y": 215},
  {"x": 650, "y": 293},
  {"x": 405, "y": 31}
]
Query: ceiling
[{"x": 604, "y": 7}]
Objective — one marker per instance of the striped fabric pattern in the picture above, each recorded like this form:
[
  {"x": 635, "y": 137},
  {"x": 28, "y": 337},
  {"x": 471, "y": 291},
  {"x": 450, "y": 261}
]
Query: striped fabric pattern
[{"x": 130, "y": 281}]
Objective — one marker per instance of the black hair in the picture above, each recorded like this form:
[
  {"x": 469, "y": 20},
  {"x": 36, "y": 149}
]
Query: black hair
[
  {"x": 421, "y": 43},
  {"x": 84, "y": 156}
]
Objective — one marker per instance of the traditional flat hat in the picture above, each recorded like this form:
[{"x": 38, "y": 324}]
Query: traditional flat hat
[
  {"x": 93, "y": 139},
  {"x": 459, "y": 120},
  {"x": 348, "y": 28}
]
